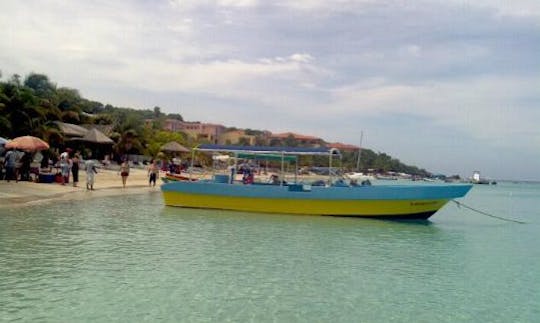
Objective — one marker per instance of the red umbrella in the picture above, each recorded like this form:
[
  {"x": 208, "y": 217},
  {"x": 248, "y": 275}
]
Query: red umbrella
[{"x": 28, "y": 143}]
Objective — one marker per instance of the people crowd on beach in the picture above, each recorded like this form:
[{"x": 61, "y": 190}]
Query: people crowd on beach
[
  {"x": 27, "y": 166},
  {"x": 50, "y": 166},
  {"x": 15, "y": 166}
]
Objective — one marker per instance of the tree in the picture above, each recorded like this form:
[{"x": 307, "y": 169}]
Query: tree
[
  {"x": 32, "y": 107},
  {"x": 290, "y": 141},
  {"x": 157, "y": 112},
  {"x": 21, "y": 109},
  {"x": 243, "y": 141},
  {"x": 159, "y": 138},
  {"x": 175, "y": 116},
  {"x": 68, "y": 100},
  {"x": 40, "y": 84}
]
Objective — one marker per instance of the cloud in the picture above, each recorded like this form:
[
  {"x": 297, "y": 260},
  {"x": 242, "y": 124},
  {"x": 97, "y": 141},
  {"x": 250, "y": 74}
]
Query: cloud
[
  {"x": 191, "y": 4},
  {"x": 485, "y": 107}
]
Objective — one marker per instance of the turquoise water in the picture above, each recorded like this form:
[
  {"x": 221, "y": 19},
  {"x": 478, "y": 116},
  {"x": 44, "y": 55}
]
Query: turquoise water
[{"x": 132, "y": 259}]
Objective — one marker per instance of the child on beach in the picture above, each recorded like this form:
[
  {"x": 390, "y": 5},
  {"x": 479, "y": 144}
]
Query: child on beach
[{"x": 153, "y": 172}]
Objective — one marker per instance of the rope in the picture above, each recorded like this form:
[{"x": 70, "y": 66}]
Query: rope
[{"x": 459, "y": 204}]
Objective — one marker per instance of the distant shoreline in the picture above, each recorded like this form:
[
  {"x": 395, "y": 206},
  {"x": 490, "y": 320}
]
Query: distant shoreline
[{"x": 518, "y": 181}]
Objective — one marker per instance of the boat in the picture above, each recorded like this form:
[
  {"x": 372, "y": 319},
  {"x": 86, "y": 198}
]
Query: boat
[
  {"x": 477, "y": 179},
  {"x": 176, "y": 177},
  {"x": 336, "y": 198},
  {"x": 359, "y": 176},
  {"x": 386, "y": 177}
]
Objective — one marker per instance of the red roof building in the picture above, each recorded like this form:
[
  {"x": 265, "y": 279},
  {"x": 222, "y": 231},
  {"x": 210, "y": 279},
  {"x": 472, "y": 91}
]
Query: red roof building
[
  {"x": 301, "y": 139},
  {"x": 343, "y": 147}
]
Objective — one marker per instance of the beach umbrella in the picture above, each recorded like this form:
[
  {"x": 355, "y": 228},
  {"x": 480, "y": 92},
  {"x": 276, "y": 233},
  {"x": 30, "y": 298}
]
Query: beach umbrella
[
  {"x": 28, "y": 143},
  {"x": 173, "y": 146},
  {"x": 3, "y": 141}
]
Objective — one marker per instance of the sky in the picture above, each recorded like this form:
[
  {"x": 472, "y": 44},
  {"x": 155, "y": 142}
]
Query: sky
[{"x": 450, "y": 86}]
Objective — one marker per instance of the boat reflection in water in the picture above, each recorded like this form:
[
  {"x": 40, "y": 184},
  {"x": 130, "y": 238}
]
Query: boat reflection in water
[{"x": 338, "y": 197}]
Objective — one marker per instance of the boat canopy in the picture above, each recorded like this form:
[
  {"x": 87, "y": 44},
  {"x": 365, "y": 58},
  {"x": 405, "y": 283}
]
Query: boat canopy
[
  {"x": 269, "y": 157},
  {"x": 324, "y": 151}
]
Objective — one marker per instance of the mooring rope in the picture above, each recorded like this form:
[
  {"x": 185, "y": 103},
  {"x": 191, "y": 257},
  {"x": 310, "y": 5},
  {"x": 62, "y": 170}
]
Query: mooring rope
[{"x": 459, "y": 204}]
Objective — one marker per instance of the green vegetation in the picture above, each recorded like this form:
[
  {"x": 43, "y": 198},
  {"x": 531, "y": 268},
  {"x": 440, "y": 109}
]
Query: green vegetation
[{"x": 31, "y": 107}]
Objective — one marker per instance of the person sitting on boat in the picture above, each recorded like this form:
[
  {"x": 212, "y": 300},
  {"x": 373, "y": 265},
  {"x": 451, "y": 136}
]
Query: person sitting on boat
[
  {"x": 274, "y": 179},
  {"x": 248, "y": 176}
]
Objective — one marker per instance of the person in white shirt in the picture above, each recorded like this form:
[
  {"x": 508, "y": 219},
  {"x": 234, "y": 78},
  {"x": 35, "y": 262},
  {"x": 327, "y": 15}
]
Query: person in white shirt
[{"x": 90, "y": 171}]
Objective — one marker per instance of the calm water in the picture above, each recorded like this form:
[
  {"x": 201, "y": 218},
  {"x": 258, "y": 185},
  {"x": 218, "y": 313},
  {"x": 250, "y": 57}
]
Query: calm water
[{"x": 132, "y": 259}]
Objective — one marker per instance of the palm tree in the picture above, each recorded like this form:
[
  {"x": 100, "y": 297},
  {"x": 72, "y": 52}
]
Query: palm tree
[
  {"x": 5, "y": 124},
  {"x": 128, "y": 144},
  {"x": 49, "y": 132}
]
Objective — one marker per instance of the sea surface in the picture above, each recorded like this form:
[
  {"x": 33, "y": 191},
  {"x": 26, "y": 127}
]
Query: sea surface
[{"x": 131, "y": 259}]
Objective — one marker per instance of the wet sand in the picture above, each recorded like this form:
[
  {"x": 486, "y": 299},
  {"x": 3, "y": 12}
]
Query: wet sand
[{"x": 107, "y": 183}]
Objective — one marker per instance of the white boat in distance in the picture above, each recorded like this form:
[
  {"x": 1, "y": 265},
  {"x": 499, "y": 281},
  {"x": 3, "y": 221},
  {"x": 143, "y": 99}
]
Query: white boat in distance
[{"x": 358, "y": 176}]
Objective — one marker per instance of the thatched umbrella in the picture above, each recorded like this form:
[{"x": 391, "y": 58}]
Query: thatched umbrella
[
  {"x": 174, "y": 147},
  {"x": 71, "y": 130},
  {"x": 97, "y": 137},
  {"x": 97, "y": 141}
]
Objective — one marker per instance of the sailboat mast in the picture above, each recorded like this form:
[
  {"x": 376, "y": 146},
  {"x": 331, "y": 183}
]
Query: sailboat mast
[{"x": 359, "y": 151}]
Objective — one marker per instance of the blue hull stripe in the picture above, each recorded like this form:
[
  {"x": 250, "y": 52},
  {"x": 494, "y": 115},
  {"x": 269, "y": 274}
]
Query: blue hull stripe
[{"x": 375, "y": 192}]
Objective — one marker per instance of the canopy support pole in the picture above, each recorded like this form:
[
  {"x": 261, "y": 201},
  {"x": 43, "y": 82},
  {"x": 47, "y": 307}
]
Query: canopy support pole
[
  {"x": 192, "y": 163},
  {"x": 282, "y": 177},
  {"x": 330, "y": 169}
]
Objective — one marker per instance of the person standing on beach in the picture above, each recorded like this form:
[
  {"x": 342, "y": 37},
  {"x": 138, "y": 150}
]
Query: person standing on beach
[
  {"x": 10, "y": 162},
  {"x": 124, "y": 172},
  {"x": 90, "y": 171},
  {"x": 153, "y": 172},
  {"x": 25, "y": 161},
  {"x": 75, "y": 169},
  {"x": 65, "y": 167}
]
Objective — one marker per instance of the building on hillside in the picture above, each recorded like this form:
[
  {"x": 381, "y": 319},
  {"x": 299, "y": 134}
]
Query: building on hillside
[
  {"x": 168, "y": 124},
  {"x": 205, "y": 131},
  {"x": 236, "y": 137},
  {"x": 173, "y": 125},
  {"x": 301, "y": 140},
  {"x": 343, "y": 147},
  {"x": 197, "y": 130}
]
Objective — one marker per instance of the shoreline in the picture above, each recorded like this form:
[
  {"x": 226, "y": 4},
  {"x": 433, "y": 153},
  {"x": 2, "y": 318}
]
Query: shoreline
[{"x": 107, "y": 183}]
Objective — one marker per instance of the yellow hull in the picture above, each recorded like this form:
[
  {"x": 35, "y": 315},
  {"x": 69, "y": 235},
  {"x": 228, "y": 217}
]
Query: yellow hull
[{"x": 367, "y": 208}]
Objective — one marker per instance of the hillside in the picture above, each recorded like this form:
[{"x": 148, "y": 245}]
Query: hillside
[{"x": 31, "y": 106}]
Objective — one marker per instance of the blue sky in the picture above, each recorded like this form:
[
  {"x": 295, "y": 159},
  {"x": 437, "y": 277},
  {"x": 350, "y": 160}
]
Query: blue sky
[{"x": 451, "y": 86}]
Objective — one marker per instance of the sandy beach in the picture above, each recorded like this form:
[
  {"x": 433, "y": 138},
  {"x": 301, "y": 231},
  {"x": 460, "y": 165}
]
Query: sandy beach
[{"x": 107, "y": 183}]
